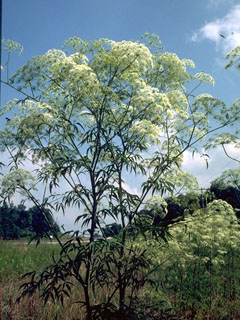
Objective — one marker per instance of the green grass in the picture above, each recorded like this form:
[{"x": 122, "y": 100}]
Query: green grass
[{"x": 18, "y": 259}]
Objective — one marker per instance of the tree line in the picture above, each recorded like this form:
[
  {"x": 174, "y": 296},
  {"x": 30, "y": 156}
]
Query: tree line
[{"x": 18, "y": 221}]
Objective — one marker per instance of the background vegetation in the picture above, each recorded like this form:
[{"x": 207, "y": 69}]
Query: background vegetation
[{"x": 19, "y": 222}]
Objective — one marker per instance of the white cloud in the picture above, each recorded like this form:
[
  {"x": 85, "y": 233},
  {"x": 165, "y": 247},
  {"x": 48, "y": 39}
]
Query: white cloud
[
  {"x": 131, "y": 190},
  {"x": 217, "y": 163},
  {"x": 224, "y": 32}
]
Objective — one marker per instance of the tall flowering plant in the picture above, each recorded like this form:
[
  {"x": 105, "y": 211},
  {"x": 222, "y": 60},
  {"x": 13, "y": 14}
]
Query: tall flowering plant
[{"x": 91, "y": 115}]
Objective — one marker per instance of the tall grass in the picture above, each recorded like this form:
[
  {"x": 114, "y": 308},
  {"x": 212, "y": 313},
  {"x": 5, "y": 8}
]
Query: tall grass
[
  {"x": 18, "y": 259},
  {"x": 33, "y": 308}
]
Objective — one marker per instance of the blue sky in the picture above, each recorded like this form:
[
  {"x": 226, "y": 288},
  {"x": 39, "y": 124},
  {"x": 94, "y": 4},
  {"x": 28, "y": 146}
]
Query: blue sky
[{"x": 190, "y": 28}]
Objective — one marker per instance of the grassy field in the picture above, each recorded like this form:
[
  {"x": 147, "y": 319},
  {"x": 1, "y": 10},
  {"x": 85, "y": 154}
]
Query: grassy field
[{"x": 18, "y": 259}]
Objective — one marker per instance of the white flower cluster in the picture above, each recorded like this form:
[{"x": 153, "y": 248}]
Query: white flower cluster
[
  {"x": 234, "y": 56},
  {"x": 79, "y": 76},
  {"x": 17, "y": 179},
  {"x": 171, "y": 71},
  {"x": 134, "y": 54},
  {"x": 179, "y": 103},
  {"x": 145, "y": 129},
  {"x": 204, "y": 77}
]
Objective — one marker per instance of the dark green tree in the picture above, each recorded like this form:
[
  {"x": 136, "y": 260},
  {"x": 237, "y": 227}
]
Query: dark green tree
[
  {"x": 42, "y": 221},
  {"x": 112, "y": 229},
  {"x": 8, "y": 223},
  {"x": 227, "y": 187},
  {"x": 17, "y": 222}
]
